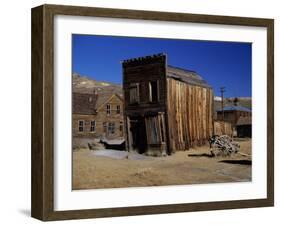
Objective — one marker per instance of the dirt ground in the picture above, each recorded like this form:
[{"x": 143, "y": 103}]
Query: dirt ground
[{"x": 184, "y": 167}]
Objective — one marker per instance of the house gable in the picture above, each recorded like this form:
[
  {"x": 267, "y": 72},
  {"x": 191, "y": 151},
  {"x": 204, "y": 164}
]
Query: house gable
[{"x": 113, "y": 99}]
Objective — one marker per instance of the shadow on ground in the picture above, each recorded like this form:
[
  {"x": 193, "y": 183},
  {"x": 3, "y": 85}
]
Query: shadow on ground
[
  {"x": 241, "y": 162},
  {"x": 201, "y": 155}
]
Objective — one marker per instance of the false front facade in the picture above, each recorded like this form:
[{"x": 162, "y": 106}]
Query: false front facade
[{"x": 165, "y": 108}]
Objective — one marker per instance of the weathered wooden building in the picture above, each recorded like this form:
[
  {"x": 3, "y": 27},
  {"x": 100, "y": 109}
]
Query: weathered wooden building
[
  {"x": 233, "y": 113},
  {"x": 223, "y": 128},
  {"x": 244, "y": 126},
  {"x": 165, "y": 108},
  {"x": 97, "y": 116}
]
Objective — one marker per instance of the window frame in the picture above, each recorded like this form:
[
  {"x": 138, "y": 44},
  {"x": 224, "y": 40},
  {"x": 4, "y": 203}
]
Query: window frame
[
  {"x": 118, "y": 109},
  {"x": 136, "y": 87},
  {"x": 111, "y": 128},
  {"x": 150, "y": 91},
  {"x": 108, "y": 109},
  {"x": 91, "y": 126},
  {"x": 79, "y": 126}
]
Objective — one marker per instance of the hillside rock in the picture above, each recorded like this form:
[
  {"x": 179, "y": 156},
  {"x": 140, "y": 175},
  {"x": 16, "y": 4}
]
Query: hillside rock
[{"x": 83, "y": 84}]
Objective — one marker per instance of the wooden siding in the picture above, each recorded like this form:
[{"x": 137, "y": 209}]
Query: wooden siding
[
  {"x": 232, "y": 116},
  {"x": 142, "y": 73},
  {"x": 190, "y": 114},
  {"x": 186, "y": 109},
  {"x": 142, "y": 117},
  {"x": 100, "y": 118},
  {"x": 223, "y": 128}
]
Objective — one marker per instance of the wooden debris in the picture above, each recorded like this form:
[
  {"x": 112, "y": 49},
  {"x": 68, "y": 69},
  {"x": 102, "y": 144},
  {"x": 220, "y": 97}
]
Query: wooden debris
[{"x": 223, "y": 146}]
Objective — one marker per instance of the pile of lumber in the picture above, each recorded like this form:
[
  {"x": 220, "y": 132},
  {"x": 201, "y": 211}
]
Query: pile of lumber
[{"x": 223, "y": 146}]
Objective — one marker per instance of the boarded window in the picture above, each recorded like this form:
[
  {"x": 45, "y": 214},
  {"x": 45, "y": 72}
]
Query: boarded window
[
  {"x": 153, "y": 130},
  {"x": 93, "y": 126},
  {"x": 108, "y": 109},
  {"x": 153, "y": 91},
  {"x": 80, "y": 125},
  {"x": 118, "y": 109},
  {"x": 111, "y": 127},
  {"x": 134, "y": 93}
]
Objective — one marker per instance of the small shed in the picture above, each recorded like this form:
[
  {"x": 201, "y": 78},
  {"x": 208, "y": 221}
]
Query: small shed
[
  {"x": 244, "y": 127},
  {"x": 116, "y": 144},
  {"x": 233, "y": 113}
]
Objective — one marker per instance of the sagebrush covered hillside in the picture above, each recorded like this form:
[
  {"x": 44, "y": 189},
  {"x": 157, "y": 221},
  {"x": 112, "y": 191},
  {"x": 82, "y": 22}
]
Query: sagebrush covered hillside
[{"x": 83, "y": 84}]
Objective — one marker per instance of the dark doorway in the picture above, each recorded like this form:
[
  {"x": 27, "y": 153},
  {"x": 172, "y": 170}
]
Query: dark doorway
[
  {"x": 138, "y": 131},
  {"x": 244, "y": 130}
]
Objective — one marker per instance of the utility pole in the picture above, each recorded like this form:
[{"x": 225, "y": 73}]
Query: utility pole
[{"x": 222, "y": 89}]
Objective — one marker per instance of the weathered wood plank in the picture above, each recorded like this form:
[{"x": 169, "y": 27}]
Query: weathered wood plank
[{"x": 190, "y": 114}]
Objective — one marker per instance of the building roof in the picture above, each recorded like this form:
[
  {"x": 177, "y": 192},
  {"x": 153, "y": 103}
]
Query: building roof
[
  {"x": 187, "y": 76},
  {"x": 113, "y": 141},
  {"x": 244, "y": 120},
  {"x": 144, "y": 59},
  {"x": 183, "y": 75},
  {"x": 84, "y": 103},
  {"x": 103, "y": 99},
  {"x": 235, "y": 108},
  {"x": 87, "y": 103}
]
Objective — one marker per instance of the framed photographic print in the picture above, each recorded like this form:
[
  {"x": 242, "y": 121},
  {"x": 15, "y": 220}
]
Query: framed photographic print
[{"x": 141, "y": 112}]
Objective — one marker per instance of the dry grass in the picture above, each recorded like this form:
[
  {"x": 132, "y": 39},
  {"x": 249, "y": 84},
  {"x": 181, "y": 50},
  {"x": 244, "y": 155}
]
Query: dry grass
[{"x": 90, "y": 171}]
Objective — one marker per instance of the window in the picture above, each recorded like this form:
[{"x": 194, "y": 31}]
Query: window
[
  {"x": 134, "y": 93},
  {"x": 111, "y": 127},
  {"x": 153, "y": 91},
  {"x": 80, "y": 125},
  {"x": 93, "y": 126},
  {"x": 121, "y": 126},
  {"x": 108, "y": 109},
  {"x": 118, "y": 109},
  {"x": 104, "y": 127}
]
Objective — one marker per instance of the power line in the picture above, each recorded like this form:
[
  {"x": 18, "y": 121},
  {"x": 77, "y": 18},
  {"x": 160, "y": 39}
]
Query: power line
[{"x": 222, "y": 90}]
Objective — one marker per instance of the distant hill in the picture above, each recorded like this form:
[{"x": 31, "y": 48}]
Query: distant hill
[
  {"x": 83, "y": 84},
  {"x": 242, "y": 101}
]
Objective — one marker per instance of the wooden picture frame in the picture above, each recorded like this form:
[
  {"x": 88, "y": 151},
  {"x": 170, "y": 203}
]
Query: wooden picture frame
[{"x": 43, "y": 112}]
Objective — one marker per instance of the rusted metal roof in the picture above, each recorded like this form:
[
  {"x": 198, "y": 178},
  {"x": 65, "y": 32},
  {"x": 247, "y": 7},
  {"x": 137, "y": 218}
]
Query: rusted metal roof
[{"x": 235, "y": 108}]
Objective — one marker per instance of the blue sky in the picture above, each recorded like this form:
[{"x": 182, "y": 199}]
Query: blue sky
[{"x": 227, "y": 64}]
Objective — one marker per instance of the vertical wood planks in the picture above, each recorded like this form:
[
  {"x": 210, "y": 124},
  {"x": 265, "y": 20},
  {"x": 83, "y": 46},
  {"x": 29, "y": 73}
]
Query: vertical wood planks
[{"x": 190, "y": 110}]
